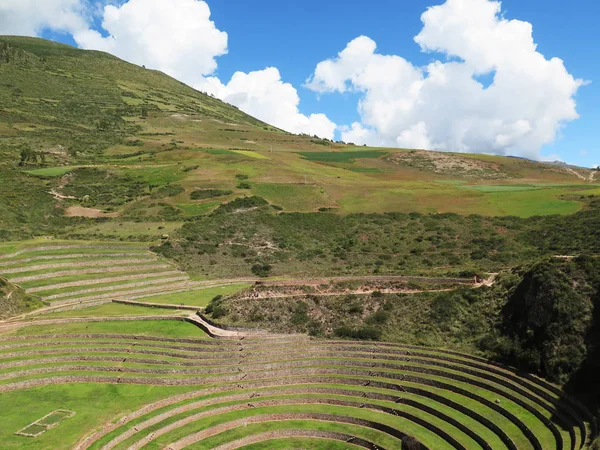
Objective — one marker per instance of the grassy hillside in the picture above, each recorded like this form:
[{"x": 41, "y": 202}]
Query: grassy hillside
[
  {"x": 242, "y": 235},
  {"x": 84, "y": 135},
  {"x": 14, "y": 300}
]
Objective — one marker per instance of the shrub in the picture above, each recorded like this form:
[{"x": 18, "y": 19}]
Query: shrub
[
  {"x": 365, "y": 332},
  {"x": 300, "y": 314},
  {"x": 202, "y": 194},
  {"x": 170, "y": 190},
  {"x": 261, "y": 270},
  {"x": 241, "y": 203},
  {"x": 242, "y": 177},
  {"x": 244, "y": 185},
  {"x": 355, "y": 308},
  {"x": 216, "y": 309},
  {"x": 380, "y": 317}
]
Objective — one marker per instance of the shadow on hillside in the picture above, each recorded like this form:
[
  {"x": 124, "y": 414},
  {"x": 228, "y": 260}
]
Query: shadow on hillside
[{"x": 584, "y": 384}]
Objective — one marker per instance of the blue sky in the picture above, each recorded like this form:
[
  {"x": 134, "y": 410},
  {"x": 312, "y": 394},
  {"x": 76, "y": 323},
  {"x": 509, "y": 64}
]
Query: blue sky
[{"x": 295, "y": 36}]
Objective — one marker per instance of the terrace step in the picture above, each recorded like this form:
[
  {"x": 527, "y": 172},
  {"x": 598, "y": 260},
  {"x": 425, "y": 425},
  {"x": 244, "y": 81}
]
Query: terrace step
[
  {"x": 140, "y": 276},
  {"x": 149, "y": 291},
  {"x": 117, "y": 287},
  {"x": 83, "y": 263},
  {"x": 67, "y": 273},
  {"x": 68, "y": 256}
]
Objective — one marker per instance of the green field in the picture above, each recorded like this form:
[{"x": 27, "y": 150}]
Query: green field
[
  {"x": 332, "y": 395},
  {"x": 111, "y": 310},
  {"x": 197, "y": 298},
  {"x": 167, "y": 329}
]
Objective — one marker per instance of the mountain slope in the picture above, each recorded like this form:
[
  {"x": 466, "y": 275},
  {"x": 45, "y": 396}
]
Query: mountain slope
[
  {"x": 49, "y": 83},
  {"x": 92, "y": 146}
]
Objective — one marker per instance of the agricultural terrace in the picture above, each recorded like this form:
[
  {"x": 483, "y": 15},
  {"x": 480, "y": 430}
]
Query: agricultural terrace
[
  {"x": 80, "y": 274},
  {"x": 178, "y": 382}
]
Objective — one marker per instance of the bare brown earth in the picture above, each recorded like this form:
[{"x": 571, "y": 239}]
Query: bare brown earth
[
  {"x": 448, "y": 163},
  {"x": 80, "y": 211}
]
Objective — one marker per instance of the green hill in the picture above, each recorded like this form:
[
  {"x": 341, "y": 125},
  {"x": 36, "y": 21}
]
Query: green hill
[{"x": 87, "y": 133}]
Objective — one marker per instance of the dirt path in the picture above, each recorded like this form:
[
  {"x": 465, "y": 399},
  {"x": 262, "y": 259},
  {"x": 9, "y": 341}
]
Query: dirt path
[
  {"x": 265, "y": 295},
  {"x": 577, "y": 174},
  {"x": 80, "y": 211},
  {"x": 58, "y": 196},
  {"x": 214, "y": 330},
  {"x": 339, "y": 293}
]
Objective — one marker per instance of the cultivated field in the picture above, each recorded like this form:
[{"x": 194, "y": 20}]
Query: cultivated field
[
  {"x": 163, "y": 383},
  {"x": 72, "y": 275}
]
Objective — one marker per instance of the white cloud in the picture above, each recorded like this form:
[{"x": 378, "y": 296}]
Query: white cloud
[
  {"x": 31, "y": 17},
  {"x": 264, "y": 95},
  {"x": 443, "y": 106},
  {"x": 174, "y": 36},
  {"x": 178, "y": 37}
]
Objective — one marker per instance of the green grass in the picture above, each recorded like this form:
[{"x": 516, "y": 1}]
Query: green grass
[
  {"x": 112, "y": 310},
  {"x": 502, "y": 187},
  {"x": 196, "y": 298},
  {"x": 34, "y": 429},
  {"x": 50, "y": 171},
  {"x": 117, "y": 269},
  {"x": 294, "y": 197},
  {"x": 160, "y": 328},
  {"x": 55, "y": 417},
  {"x": 123, "y": 285},
  {"x": 304, "y": 443},
  {"x": 32, "y": 247},
  {"x": 343, "y": 156},
  {"x": 425, "y": 436},
  {"x": 527, "y": 203},
  {"x": 17, "y": 409},
  {"x": 92, "y": 276},
  {"x": 194, "y": 210},
  {"x": 251, "y": 154},
  {"x": 365, "y": 170}
]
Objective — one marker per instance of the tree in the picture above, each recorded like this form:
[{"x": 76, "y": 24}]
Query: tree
[
  {"x": 28, "y": 155},
  {"x": 261, "y": 270}
]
